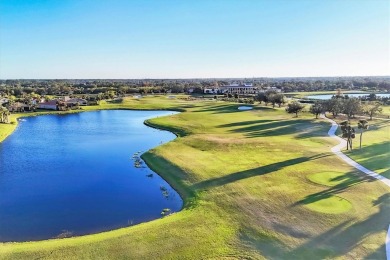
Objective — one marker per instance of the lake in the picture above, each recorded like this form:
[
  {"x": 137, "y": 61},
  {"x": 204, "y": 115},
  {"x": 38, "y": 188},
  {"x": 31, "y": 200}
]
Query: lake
[
  {"x": 325, "y": 97},
  {"x": 79, "y": 174}
]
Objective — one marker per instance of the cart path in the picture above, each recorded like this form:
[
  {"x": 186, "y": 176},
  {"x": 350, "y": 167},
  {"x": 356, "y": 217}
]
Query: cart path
[{"x": 337, "y": 150}]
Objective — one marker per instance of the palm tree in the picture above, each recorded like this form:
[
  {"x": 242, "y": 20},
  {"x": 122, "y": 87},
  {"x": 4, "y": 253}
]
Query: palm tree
[
  {"x": 4, "y": 115},
  {"x": 362, "y": 125},
  {"x": 348, "y": 132}
]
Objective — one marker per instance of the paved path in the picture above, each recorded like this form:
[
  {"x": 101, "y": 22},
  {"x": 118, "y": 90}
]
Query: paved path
[{"x": 337, "y": 150}]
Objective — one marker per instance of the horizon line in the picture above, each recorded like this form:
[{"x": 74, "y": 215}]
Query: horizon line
[{"x": 187, "y": 78}]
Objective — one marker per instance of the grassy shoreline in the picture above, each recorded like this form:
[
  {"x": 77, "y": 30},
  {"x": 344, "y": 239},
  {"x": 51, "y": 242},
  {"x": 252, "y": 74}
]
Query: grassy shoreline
[{"x": 247, "y": 178}]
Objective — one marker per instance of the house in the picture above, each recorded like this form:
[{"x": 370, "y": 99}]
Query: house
[
  {"x": 76, "y": 101},
  {"x": 239, "y": 88},
  {"x": 52, "y": 105}
]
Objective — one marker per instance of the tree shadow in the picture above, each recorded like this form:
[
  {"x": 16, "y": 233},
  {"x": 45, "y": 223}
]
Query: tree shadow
[
  {"x": 374, "y": 157},
  {"x": 378, "y": 124},
  {"x": 349, "y": 180},
  {"x": 264, "y": 128},
  {"x": 337, "y": 241},
  {"x": 318, "y": 129},
  {"x": 233, "y": 177},
  {"x": 244, "y": 123},
  {"x": 228, "y": 108},
  {"x": 344, "y": 237}
]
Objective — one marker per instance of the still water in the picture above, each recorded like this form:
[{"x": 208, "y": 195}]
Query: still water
[
  {"x": 325, "y": 97},
  {"x": 79, "y": 174}
]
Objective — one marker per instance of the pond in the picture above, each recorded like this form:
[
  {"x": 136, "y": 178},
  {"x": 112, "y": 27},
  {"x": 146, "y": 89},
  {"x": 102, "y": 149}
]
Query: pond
[
  {"x": 325, "y": 97},
  {"x": 76, "y": 174},
  {"x": 245, "y": 108}
]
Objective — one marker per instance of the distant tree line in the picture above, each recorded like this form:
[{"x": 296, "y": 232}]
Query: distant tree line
[{"x": 19, "y": 88}]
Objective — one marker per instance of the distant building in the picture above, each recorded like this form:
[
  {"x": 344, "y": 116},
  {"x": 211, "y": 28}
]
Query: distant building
[
  {"x": 239, "y": 88},
  {"x": 211, "y": 91},
  {"x": 75, "y": 101},
  {"x": 269, "y": 89},
  {"x": 52, "y": 105}
]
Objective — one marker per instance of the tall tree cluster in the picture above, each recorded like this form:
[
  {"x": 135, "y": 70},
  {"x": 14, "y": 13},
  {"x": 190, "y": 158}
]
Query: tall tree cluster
[{"x": 349, "y": 106}]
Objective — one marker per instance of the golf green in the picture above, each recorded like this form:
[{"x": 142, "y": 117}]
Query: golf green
[
  {"x": 327, "y": 178},
  {"x": 330, "y": 205}
]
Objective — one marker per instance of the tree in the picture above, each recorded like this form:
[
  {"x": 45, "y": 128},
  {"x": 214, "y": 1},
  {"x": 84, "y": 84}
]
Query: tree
[
  {"x": 372, "y": 108},
  {"x": 371, "y": 97},
  {"x": 272, "y": 99},
  {"x": 261, "y": 97},
  {"x": 4, "y": 115},
  {"x": 362, "y": 125},
  {"x": 279, "y": 99},
  {"x": 348, "y": 133},
  {"x": 294, "y": 107},
  {"x": 316, "y": 109},
  {"x": 351, "y": 107},
  {"x": 334, "y": 106}
]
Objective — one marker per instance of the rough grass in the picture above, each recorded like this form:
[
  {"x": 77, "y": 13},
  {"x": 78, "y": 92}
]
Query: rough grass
[{"x": 243, "y": 176}]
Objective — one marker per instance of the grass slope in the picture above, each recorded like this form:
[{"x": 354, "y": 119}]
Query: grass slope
[{"x": 243, "y": 175}]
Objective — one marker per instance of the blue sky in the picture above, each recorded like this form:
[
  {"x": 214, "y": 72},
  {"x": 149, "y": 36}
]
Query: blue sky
[{"x": 188, "y": 39}]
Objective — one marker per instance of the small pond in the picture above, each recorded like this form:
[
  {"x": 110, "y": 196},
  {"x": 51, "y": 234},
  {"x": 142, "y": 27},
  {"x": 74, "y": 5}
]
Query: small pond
[
  {"x": 325, "y": 97},
  {"x": 76, "y": 174},
  {"x": 245, "y": 108}
]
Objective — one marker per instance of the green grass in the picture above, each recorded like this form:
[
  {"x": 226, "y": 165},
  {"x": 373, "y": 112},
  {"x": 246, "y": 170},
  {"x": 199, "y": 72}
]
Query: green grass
[
  {"x": 385, "y": 111},
  {"x": 330, "y": 205},
  {"x": 6, "y": 130},
  {"x": 244, "y": 178},
  {"x": 375, "y": 150},
  {"x": 327, "y": 178}
]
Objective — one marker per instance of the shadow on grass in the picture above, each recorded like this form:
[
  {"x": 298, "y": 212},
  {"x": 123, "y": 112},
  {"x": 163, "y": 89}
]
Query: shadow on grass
[
  {"x": 374, "y": 157},
  {"x": 335, "y": 242},
  {"x": 344, "y": 237},
  {"x": 303, "y": 128},
  {"x": 220, "y": 181},
  {"x": 244, "y": 123},
  {"x": 229, "y": 108},
  {"x": 349, "y": 179}
]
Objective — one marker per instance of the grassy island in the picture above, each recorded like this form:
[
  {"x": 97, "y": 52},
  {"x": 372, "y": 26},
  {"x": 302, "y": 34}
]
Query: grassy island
[{"x": 256, "y": 184}]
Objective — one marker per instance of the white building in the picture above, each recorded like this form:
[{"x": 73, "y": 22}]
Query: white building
[
  {"x": 211, "y": 90},
  {"x": 236, "y": 88},
  {"x": 74, "y": 101}
]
